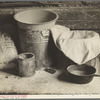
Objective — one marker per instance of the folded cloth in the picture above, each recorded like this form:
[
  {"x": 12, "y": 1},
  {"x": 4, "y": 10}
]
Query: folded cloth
[{"x": 79, "y": 46}]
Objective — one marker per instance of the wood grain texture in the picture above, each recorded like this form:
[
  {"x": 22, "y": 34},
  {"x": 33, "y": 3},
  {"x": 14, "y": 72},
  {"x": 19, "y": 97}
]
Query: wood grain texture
[
  {"x": 74, "y": 18},
  {"x": 50, "y": 4}
]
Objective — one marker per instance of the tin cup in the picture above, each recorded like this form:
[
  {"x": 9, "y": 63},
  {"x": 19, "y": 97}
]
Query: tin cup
[{"x": 26, "y": 63}]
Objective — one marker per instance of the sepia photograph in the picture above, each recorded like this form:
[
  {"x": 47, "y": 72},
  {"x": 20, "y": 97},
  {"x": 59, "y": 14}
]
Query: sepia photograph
[{"x": 49, "y": 49}]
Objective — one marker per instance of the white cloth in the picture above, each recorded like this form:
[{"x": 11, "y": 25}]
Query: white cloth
[{"x": 79, "y": 46}]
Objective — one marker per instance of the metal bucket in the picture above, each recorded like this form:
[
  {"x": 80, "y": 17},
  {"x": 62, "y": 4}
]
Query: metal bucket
[{"x": 34, "y": 33}]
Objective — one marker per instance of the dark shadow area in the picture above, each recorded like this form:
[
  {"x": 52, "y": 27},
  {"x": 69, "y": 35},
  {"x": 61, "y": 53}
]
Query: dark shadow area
[
  {"x": 13, "y": 71},
  {"x": 52, "y": 51},
  {"x": 64, "y": 76},
  {"x": 14, "y": 94},
  {"x": 9, "y": 26},
  {"x": 63, "y": 61}
]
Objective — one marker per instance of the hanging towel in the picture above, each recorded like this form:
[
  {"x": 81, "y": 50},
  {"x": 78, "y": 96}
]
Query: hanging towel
[{"x": 79, "y": 46}]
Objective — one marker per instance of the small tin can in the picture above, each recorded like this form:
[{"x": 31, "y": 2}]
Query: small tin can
[{"x": 26, "y": 63}]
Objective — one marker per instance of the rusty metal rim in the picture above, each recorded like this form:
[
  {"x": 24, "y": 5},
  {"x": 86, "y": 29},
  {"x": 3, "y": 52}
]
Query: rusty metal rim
[{"x": 33, "y": 56}]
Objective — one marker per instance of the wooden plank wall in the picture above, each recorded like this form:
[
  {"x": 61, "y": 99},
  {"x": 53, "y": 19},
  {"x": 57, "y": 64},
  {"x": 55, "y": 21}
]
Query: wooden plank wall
[{"x": 75, "y": 15}]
